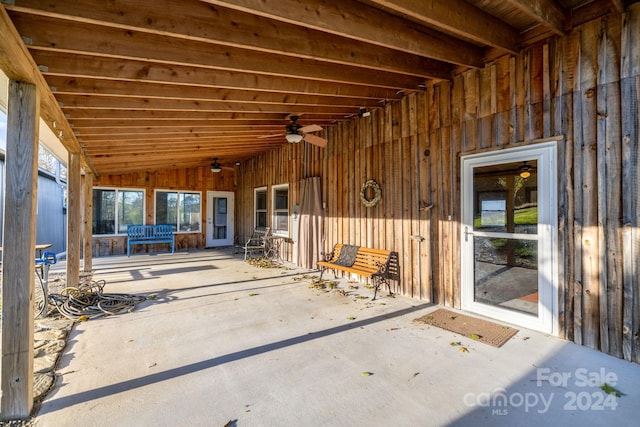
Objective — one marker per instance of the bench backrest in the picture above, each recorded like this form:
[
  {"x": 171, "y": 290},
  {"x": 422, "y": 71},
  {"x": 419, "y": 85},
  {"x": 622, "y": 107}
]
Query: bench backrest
[
  {"x": 366, "y": 258},
  {"x": 149, "y": 231}
]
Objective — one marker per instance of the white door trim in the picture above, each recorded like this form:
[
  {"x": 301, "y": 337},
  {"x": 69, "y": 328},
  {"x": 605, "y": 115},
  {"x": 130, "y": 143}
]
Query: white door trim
[
  {"x": 546, "y": 155},
  {"x": 210, "y": 241}
]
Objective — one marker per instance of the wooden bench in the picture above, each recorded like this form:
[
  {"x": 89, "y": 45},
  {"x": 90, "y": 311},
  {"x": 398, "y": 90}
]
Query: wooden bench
[
  {"x": 149, "y": 234},
  {"x": 377, "y": 264},
  {"x": 256, "y": 242}
]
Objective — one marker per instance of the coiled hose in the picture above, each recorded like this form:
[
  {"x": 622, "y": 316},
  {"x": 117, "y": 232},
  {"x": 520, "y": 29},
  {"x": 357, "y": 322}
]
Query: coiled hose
[{"x": 88, "y": 301}]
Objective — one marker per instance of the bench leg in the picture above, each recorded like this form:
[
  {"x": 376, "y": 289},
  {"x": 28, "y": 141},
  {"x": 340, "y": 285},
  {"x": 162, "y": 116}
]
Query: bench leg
[{"x": 379, "y": 280}]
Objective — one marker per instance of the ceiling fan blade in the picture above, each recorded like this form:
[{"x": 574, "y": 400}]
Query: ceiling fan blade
[
  {"x": 271, "y": 136},
  {"x": 311, "y": 128},
  {"x": 315, "y": 140}
]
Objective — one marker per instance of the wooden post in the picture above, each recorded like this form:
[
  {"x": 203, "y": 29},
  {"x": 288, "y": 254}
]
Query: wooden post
[
  {"x": 87, "y": 213},
  {"x": 19, "y": 240},
  {"x": 74, "y": 218}
]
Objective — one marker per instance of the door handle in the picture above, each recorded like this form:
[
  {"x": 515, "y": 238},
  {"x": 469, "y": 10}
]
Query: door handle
[{"x": 467, "y": 233}]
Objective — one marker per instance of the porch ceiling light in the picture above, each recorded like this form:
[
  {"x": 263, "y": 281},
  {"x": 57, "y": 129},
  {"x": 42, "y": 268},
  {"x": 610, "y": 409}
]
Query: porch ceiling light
[{"x": 293, "y": 138}]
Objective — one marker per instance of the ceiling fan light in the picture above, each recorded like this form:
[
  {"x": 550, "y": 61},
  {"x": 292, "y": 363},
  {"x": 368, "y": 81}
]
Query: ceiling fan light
[
  {"x": 293, "y": 138},
  {"x": 215, "y": 166}
]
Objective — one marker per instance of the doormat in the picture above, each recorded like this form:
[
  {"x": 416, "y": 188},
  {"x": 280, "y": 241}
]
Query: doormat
[{"x": 471, "y": 327}]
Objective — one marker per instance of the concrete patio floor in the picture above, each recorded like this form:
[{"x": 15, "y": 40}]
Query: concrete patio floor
[{"x": 226, "y": 343}]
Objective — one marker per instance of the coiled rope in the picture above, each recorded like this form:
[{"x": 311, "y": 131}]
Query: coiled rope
[{"x": 88, "y": 301}]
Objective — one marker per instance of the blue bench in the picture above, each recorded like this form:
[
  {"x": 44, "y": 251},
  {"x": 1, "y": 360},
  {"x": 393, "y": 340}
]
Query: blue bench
[{"x": 149, "y": 234}]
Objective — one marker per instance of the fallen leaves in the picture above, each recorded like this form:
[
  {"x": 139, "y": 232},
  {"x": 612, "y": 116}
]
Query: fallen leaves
[
  {"x": 263, "y": 262},
  {"x": 609, "y": 389},
  {"x": 458, "y": 344}
]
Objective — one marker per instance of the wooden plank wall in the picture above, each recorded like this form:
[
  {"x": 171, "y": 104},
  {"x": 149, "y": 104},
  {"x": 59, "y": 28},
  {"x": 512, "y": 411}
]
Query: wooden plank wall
[
  {"x": 199, "y": 179},
  {"x": 583, "y": 87}
]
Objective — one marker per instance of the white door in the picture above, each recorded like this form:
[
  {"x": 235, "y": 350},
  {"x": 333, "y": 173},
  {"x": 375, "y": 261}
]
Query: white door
[
  {"x": 509, "y": 229},
  {"x": 220, "y": 218}
]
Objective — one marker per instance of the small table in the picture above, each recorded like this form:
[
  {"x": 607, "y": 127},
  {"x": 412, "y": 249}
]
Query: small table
[{"x": 272, "y": 247}]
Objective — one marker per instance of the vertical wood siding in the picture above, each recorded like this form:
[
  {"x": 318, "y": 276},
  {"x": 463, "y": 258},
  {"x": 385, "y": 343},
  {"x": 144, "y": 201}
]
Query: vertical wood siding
[{"x": 583, "y": 87}]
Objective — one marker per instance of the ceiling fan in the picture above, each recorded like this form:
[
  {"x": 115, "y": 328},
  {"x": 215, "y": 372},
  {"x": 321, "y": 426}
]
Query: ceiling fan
[
  {"x": 295, "y": 133},
  {"x": 217, "y": 167}
]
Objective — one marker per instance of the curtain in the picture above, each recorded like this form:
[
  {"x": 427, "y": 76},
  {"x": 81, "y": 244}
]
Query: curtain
[{"x": 310, "y": 224}]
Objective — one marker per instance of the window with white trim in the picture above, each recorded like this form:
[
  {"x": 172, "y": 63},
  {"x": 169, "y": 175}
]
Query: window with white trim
[
  {"x": 181, "y": 209},
  {"x": 260, "y": 207},
  {"x": 116, "y": 208},
  {"x": 280, "y": 210}
]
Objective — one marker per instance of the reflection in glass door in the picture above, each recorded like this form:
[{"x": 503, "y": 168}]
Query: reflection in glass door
[
  {"x": 508, "y": 228},
  {"x": 219, "y": 218}
]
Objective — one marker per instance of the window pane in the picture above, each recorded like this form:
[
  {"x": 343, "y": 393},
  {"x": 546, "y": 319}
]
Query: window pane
[
  {"x": 281, "y": 198},
  {"x": 281, "y": 222},
  {"x": 190, "y": 212},
  {"x": 167, "y": 208},
  {"x": 261, "y": 219},
  {"x": 130, "y": 209},
  {"x": 506, "y": 198},
  {"x": 104, "y": 211},
  {"x": 506, "y": 273},
  {"x": 261, "y": 200}
]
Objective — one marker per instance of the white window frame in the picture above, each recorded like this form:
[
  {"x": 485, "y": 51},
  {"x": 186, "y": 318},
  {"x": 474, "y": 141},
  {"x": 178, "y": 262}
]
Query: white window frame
[
  {"x": 274, "y": 229},
  {"x": 119, "y": 190},
  {"x": 179, "y": 193},
  {"x": 255, "y": 206}
]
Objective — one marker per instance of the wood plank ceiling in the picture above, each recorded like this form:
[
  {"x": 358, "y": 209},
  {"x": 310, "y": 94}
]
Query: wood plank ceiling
[{"x": 158, "y": 84}]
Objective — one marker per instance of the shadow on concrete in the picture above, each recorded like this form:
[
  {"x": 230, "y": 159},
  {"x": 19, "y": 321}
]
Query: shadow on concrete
[{"x": 65, "y": 402}]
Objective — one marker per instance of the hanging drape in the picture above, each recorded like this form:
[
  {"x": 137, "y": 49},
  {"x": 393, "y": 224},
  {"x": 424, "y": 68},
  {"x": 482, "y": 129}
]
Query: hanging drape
[{"x": 310, "y": 224}]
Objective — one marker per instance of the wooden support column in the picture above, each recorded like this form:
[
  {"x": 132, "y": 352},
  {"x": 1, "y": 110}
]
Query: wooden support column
[
  {"x": 74, "y": 219},
  {"x": 87, "y": 214},
  {"x": 19, "y": 239}
]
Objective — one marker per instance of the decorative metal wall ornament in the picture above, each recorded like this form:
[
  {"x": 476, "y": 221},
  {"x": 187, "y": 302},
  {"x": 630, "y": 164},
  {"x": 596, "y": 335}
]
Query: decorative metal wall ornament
[{"x": 377, "y": 193}]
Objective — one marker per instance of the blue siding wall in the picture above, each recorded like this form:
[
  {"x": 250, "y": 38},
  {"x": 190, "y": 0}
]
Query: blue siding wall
[{"x": 51, "y": 222}]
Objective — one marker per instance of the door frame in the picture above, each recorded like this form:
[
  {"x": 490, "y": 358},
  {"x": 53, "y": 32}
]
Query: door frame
[
  {"x": 209, "y": 241},
  {"x": 545, "y": 153}
]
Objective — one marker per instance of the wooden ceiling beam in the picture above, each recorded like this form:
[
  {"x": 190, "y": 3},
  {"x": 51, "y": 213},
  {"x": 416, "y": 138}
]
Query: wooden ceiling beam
[
  {"x": 193, "y": 20},
  {"x": 591, "y": 11},
  {"x": 69, "y": 65},
  {"x": 141, "y": 126},
  {"x": 357, "y": 21},
  {"x": 178, "y": 152},
  {"x": 17, "y": 64},
  {"x": 203, "y": 137},
  {"x": 459, "y": 18},
  {"x": 96, "y": 87},
  {"x": 154, "y": 146},
  {"x": 97, "y": 116},
  {"x": 171, "y": 129},
  {"x": 44, "y": 33},
  {"x": 85, "y": 102},
  {"x": 547, "y": 12}
]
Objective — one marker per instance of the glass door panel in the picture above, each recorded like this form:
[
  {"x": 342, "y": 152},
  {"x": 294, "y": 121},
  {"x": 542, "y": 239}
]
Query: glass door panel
[
  {"x": 220, "y": 218},
  {"x": 509, "y": 218}
]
